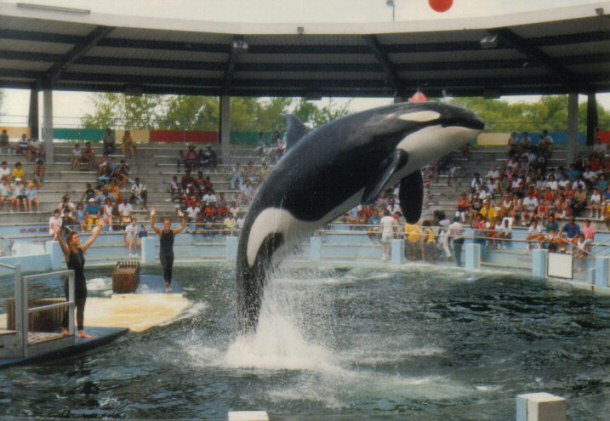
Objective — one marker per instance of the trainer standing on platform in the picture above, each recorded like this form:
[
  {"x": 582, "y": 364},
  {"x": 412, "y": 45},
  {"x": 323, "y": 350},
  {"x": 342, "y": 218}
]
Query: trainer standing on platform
[
  {"x": 75, "y": 260},
  {"x": 166, "y": 249}
]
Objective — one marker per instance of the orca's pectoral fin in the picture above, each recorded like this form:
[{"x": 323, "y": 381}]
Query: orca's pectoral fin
[
  {"x": 391, "y": 165},
  {"x": 411, "y": 196}
]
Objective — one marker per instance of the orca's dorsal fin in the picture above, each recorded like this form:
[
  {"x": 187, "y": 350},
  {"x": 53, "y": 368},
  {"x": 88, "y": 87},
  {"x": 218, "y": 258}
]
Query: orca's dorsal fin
[
  {"x": 295, "y": 130},
  {"x": 391, "y": 165},
  {"x": 411, "y": 194}
]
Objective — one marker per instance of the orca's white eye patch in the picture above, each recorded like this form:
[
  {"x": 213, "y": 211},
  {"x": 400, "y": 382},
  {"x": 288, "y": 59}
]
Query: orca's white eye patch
[{"x": 420, "y": 116}]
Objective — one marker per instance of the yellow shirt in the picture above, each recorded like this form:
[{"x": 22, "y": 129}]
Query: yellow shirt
[
  {"x": 18, "y": 172},
  {"x": 412, "y": 232},
  {"x": 488, "y": 213},
  {"x": 430, "y": 236}
]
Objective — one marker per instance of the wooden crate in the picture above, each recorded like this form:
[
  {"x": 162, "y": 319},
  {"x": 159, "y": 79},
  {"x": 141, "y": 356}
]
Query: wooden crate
[
  {"x": 41, "y": 321},
  {"x": 125, "y": 277}
]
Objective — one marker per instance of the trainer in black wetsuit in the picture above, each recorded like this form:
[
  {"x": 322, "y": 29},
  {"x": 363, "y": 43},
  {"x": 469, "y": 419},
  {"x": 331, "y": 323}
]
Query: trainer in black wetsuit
[
  {"x": 166, "y": 255},
  {"x": 166, "y": 249},
  {"x": 75, "y": 260}
]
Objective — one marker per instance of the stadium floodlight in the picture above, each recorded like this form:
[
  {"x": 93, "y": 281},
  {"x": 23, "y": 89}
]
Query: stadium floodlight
[
  {"x": 489, "y": 41},
  {"x": 239, "y": 45}
]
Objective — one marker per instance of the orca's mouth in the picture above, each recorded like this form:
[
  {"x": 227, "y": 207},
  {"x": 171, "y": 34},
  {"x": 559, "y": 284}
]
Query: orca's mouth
[{"x": 468, "y": 123}]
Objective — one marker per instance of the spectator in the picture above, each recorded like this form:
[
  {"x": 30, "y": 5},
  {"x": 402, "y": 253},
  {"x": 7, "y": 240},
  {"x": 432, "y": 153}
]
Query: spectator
[
  {"x": 504, "y": 231},
  {"x": 5, "y": 193},
  {"x": 534, "y": 234},
  {"x": 451, "y": 174},
  {"x": 230, "y": 225},
  {"x": 125, "y": 212},
  {"x": 571, "y": 229},
  {"x": 580, "y": 248},
  {"x": 589, "y": 231},
  {"x": 4, "y": 170},
  {"x": 80, "y": 216},
  {"x": 32, "y": 197},
  {"x": 109, "y": 142},
  {"x": 121, "y": 173},
  {"x": 88, "y": 156},
  {"x": 106, "y": 214},
  {"x": 551, "y": 224},
  {"x": 102, "y": 167},
  {"x": 429, "y": 243},
  {"x": 190, "y": 159},
  {"x": 456, "y": 233},
  {"x": 128, "y": 144},
  {"x": 174, "y": 189},
  {"x": 209, "y": 158},
  {"x": 18, "y": 172},
  {"x": 237, "y": 178},
  {"x": 247, "y": 191},
  {"x": 92, "y": 213},
  {"x": 22, "y": 146},
  {"x": 34, "y": 149},
  {"x": 192, "y": 216},
  {"x": 139, "y": 193},
  {"x": 4, "y": 142},
  {"x": 530, "y": 206},
  {"x": 130, "y": 237},
  {"x": 579, "y": 201},
  {"x": 413, "y": 245},
  {"x": 39, "y": 172},
  {"x": 55, "y": 223},
  {"x": 67, "y": 221},
  {"x": 66, "y": 204},
  {"x": 595, "y": 204},
  {"x": 143, "y": 233},
  {"x": 19, "y": 195},
  {"x": 388, "y": 226}
]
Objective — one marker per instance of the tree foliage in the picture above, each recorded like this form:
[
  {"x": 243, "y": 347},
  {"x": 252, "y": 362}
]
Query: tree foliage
[
  {"x": 550, "y": 112},
  {"x": 185, "y": 112}
]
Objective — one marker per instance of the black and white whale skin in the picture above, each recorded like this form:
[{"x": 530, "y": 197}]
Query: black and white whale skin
[{"x": 334, "y": 168}]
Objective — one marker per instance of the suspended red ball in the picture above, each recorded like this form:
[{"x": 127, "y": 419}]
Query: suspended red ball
[
  {"x": 440, "y": 5},
  {"x": 418, "y": 97}
]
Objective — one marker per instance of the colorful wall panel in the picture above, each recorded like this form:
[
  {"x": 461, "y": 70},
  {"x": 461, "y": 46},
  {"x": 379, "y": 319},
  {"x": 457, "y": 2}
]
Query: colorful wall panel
[
  {"x": 138, "y": 136},
  {"x": 15, "y": 133},
  {"x": 81, "y": 135}
]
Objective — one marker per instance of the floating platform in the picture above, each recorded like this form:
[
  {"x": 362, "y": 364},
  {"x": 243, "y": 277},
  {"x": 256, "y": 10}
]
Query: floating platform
[
  {"x": 106, "y": 319},
  {"x": 100, "y": 336}
]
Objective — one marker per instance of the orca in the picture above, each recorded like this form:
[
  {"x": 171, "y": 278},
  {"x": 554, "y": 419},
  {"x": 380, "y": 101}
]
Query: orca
[{"x": 335, "y": 167}]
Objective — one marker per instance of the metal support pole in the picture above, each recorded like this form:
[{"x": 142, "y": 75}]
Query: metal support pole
[
  {"x": 71, "y": 299},
  {"x": 21, "y": 326}
]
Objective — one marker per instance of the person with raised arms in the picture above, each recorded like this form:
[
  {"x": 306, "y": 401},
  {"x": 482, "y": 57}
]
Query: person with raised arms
[
  {"x": 166, "y": 246},
  {"x": 75, "y": 260}
]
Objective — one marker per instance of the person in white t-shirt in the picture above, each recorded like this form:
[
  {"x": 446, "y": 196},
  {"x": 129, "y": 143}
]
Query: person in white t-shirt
[
  {"x": 55, "y": 223},
  {"x": 388, "y": 226},
  {"x": 530, "y": 205},
  {"x": 125, "y": 210},
  {"x": 595, "y": 204},
  {"x": 130, "y": 236},
  {"x": 192, "y": 214}
]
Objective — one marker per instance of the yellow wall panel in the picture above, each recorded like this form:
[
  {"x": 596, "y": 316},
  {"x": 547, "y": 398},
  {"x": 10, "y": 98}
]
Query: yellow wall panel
[
  {"x": 493, "y": 139},
  {"x": 140, "y": 136}
]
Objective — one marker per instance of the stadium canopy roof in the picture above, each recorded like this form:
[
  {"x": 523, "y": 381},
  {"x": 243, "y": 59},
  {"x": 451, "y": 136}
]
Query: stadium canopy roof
[{"x": 553, "y": 51}]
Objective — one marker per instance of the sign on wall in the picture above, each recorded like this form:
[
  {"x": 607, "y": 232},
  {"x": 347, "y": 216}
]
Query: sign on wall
[{"x": 560, "y": 265}]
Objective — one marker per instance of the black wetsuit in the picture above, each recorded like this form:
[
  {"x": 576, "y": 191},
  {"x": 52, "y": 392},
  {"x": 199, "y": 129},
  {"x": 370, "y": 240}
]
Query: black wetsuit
[
  {"x": 166, "y": 254},
  {"x": 76, "y": 262}
]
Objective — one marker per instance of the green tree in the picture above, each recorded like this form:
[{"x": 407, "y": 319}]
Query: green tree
[
  {"x": 309, "y": 113},
  {"x": 190, "y": 113},
  {"x": 120, "y": 110}
]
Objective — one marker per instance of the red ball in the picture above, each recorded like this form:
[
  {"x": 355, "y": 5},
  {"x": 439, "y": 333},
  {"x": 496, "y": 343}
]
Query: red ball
[
  {"x": 418, "y": 97},
  {"x": 440, "y": 5}
]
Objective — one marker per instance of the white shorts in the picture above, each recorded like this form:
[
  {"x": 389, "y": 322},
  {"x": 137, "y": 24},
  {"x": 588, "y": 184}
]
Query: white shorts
[{"x": 386, "y": 238}]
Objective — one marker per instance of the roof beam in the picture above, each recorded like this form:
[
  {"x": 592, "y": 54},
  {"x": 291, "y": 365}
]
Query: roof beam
[
  {"x": 533, "y": 53},
  {"x": 391, "y": 76},
  {"x": 230, "y": 68},
  {"x": 79, "y": 50}
]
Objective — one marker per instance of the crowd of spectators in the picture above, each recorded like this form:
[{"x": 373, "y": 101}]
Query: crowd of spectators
[{"x": 526, "y": 190}]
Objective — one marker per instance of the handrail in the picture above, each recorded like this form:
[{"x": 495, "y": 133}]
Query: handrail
[{"x": 4, "y": 265}]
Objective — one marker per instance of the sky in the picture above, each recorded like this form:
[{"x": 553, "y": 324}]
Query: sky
[{"x": 69, "y": 106}]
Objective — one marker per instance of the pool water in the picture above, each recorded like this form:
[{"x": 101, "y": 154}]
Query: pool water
[{"x": 379, "y": 342}]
